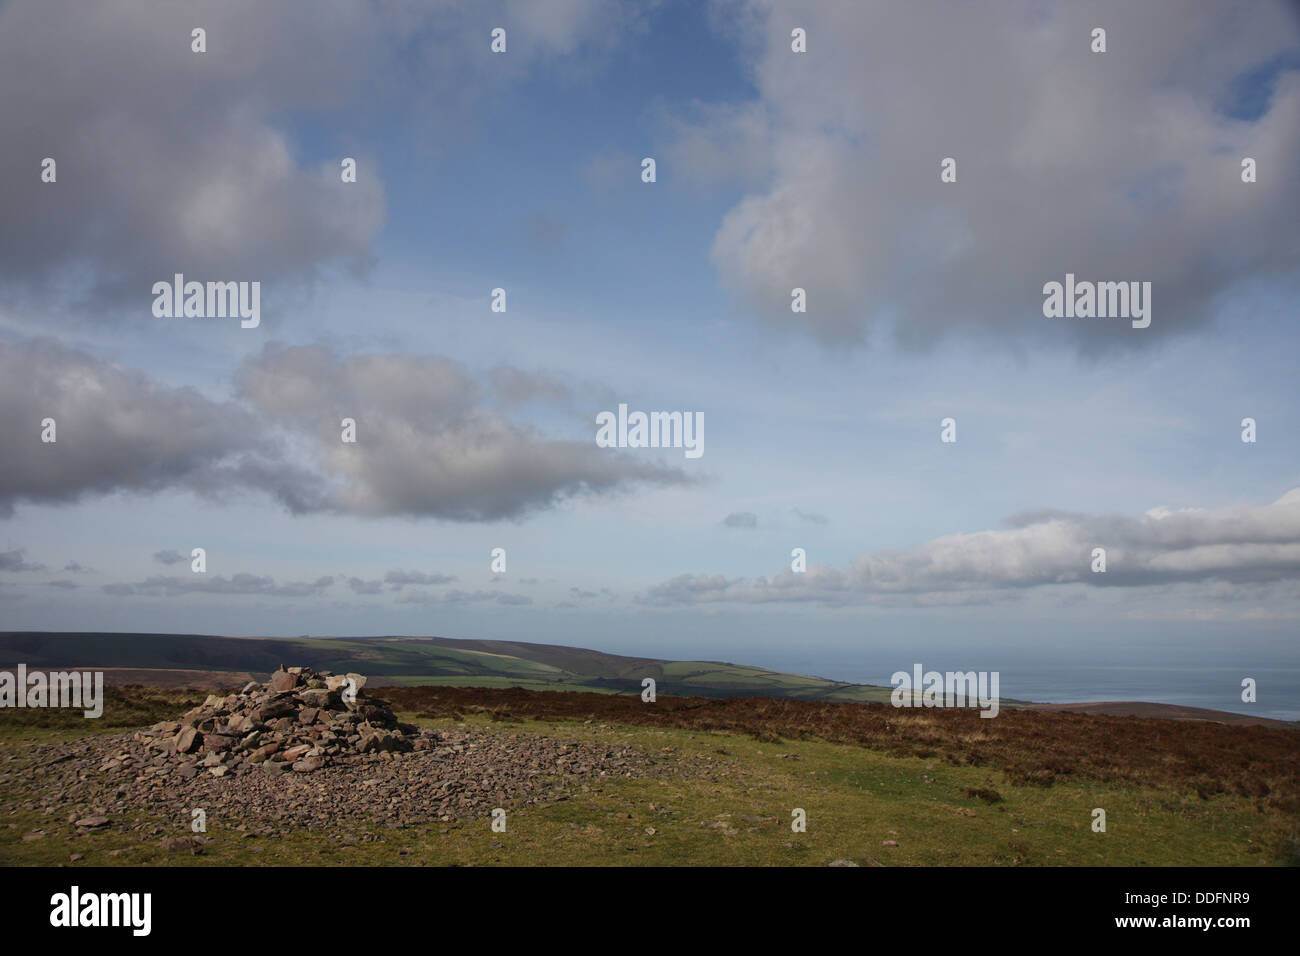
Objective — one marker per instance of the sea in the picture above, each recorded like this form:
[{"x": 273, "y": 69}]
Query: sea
[{"x": 1215, "y": 684}]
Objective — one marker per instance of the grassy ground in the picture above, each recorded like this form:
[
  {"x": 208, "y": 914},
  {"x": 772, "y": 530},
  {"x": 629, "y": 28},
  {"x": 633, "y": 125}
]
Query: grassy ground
[{"x": 737, "y": 812}]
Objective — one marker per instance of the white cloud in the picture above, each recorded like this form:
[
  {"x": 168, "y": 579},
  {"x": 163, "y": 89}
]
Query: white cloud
[
  {"x": 171, "y": 160},
  {"x": 1238, "y": 547},
  {"x": 1115, "y": 166},
  {"x": 426, "y": 444}
]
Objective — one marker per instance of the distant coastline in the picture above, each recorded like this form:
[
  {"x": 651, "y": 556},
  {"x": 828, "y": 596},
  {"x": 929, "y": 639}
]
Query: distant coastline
[{"x": 214, "y": 661}]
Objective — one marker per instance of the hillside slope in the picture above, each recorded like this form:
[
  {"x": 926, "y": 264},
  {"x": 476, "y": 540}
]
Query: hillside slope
[{"x": 415, "y": 660}]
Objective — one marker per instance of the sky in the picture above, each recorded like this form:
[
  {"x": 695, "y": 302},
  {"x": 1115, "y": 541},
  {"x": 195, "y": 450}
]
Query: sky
[{"x": 823, "y": 429}]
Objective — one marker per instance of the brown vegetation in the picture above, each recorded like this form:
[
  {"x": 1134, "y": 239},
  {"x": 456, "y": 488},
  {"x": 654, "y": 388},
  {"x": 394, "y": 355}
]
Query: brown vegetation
[{"x": 1030, "y": 747}]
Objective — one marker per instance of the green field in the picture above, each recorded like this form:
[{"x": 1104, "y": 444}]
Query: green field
[
  {"x": 425, "y": 660},
  {"x": 730, "y": 805}
]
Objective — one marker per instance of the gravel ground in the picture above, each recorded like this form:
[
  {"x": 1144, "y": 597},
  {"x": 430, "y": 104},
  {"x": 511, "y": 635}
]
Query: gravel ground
[{"x": 465, "y": 773}]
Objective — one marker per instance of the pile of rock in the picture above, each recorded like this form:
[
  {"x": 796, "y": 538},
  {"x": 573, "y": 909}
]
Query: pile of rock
[
  {"x": 300, "y": 720},
  {"x": 356, "y": 767}
]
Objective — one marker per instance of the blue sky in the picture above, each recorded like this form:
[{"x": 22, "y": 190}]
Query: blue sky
[{"x": 522, "y": 171}]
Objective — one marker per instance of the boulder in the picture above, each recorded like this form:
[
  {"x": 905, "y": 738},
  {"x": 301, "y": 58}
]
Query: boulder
[
  {"x": 275, "y": 709},
  {"x": 282, "y": 681}
]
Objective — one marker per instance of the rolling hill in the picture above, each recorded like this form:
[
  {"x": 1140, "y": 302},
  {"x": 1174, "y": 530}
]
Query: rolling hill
[{"x": 176, "y": 658}]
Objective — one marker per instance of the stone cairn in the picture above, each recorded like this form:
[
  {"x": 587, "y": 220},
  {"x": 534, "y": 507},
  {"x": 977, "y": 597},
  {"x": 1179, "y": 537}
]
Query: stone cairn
[{"x": 300, "y": 720}]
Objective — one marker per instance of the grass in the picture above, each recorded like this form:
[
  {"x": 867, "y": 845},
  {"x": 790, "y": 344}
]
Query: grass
[{"x": 735, "y": 811}]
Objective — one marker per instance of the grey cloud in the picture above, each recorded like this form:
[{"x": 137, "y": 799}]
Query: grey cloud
[
  {"x": 1024, "y": 519},
  {"x": 116, "y": 429},
  {"x": 170, "y": 160},
  {"x": 76, "y": 567},
  {"x": 693, "y": 589},
  {"x": 466, "y": 597},
  {"x": 581, "y": 594},
  {"x": 399, "y": 579},
  {"x": 718, "y": 143},
  {"x": 1233, "y": 547},
  {"x": 170, "y": 556},
  {"x": 516, "y": 387},
  {"x": 298, "y": 487},
  {"x": 14, "y": 561},
  {"x": 239, "y": 584},
  {"x": 359, "y": 586},
  {"x": 299, "y": 383},
  {"x": 741, "y": 519},
  {"x": 1114, "y": 166},
  {"x": 63, "y": 584},
  {"x": 426, "y": 446}
]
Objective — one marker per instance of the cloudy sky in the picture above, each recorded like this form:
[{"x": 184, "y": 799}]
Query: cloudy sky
[{"x": 522, "y": 170}]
